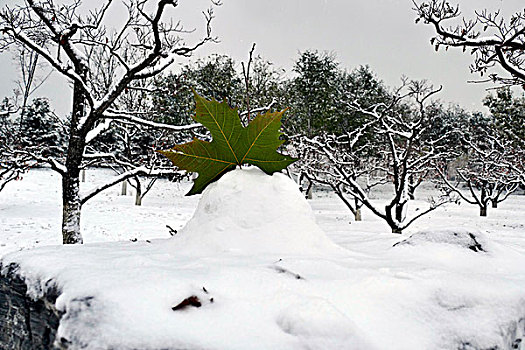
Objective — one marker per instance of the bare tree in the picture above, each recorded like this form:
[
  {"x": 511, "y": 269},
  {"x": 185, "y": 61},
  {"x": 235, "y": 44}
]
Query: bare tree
[
  {"x": 339, "y": 162},
  {"x": 30, "y": 79},
  {"x": 401, "y": 151},
  {"x": 491, "y": 39},
  {"x": 490, "y": 174},
  {"x": 135, "y": 148},
  {"x": 126, "y": 146},
  {"x": 144, "y": 46}
]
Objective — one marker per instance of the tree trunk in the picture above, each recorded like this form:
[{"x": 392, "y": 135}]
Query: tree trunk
[
  {"x": 138, "y": 194},
  {"x": 494, "y": 204},
  {"x": 83, "y": 174},
  {"x": 484, "y": 200},
  {"x": 71, "y": 190},
  {"x": 124, "y": 190},
  {"x": 71, "y": 210},
  {"x": 400, "y": 212},
  {"x": 355, "y": 211},
  {"x": 483, "y": 211},
  {"x": 411, "y": 187},
  {"x": 358, "y": 216},
  {"x": 71, "y": 177},
  {"x": 393, "y": 223},
  {"x": 309, "y": 191},
  {"x": 411, "y": 192}
]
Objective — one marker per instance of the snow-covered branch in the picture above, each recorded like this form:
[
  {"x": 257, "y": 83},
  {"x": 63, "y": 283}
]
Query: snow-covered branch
[
  {"x": 491, "y": 39},
  {"x": 123, "y": 116},
  {"x": 52, "y": 162},
  {"x": 393, "y": 145},
  {"x": 156, "y": 60},
  {"x": 488, "y": 172},
  {"x": 65, "y": 69},
  {"x": 115, "y": 180}
]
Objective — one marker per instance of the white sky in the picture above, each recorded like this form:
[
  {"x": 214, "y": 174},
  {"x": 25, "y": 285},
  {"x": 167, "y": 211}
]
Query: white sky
[{"x": 381, "y": 33}]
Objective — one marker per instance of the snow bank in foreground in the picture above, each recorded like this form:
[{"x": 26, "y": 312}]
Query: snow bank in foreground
[
  {"x": 268, "y": 278},
  {"x": 247, "y": 212}
]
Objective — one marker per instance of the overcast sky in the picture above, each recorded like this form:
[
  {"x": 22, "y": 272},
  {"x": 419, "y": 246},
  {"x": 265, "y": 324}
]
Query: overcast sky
[{"x": 380, "y": 33}]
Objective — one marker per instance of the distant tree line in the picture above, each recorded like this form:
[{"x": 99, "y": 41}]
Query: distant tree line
[{"x": 351, "y": 131}]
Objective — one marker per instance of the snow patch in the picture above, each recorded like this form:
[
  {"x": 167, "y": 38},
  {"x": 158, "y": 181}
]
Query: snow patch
[{"x": 319, "y": 324}]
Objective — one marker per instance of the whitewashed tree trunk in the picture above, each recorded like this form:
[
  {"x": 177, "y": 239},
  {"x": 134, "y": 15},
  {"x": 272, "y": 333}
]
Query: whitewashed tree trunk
[
  {"x": 71, "y": 211},
  {"x": 358, "y": 216},
  {"x": 309, "y": 193},
  {"x": 138, "y": 199}
]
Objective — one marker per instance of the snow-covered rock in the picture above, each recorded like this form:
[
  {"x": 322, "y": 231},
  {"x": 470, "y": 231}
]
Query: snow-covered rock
[{"x": 457, "y": 236}]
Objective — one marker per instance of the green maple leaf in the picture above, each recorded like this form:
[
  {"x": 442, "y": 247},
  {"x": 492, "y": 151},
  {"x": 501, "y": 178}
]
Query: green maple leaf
[{"x": 232, "y": 144}]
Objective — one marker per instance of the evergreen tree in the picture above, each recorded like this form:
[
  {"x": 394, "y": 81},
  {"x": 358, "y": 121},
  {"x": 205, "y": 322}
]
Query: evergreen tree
[
  {"x": 313, "y": 93},
  {"x": 448, "y": 120},
  {"x": 213, "y": 77},
  {"x": 42, "y": 129},
  {"x": 508, "y": 113}
]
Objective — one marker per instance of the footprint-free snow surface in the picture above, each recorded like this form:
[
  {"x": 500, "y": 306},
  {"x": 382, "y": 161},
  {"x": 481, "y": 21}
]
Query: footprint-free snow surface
[{"x": 253, "y": 270}]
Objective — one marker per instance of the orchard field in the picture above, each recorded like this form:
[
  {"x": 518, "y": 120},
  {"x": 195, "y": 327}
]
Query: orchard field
[{"x": 30, "y": 215}]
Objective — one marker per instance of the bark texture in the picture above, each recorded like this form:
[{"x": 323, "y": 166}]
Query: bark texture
[{"x": 71, "y": 178}]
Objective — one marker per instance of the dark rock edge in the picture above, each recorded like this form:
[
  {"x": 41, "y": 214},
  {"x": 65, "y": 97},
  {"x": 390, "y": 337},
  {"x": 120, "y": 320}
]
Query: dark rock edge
[{"x": 26, "y": 323}]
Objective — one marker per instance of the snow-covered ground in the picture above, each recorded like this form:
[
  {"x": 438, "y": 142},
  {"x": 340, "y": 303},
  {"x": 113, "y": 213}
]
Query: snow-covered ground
[
  {"x": 291, "y": 289},
  {"x": 30, "y": 215},
  {"x": 30, "y": 211}
]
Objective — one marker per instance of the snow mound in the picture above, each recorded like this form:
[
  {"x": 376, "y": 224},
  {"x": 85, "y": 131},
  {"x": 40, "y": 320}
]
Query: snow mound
[
  {"x": 246, "y": 211},
  {"x": 465, "y": 238}
]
